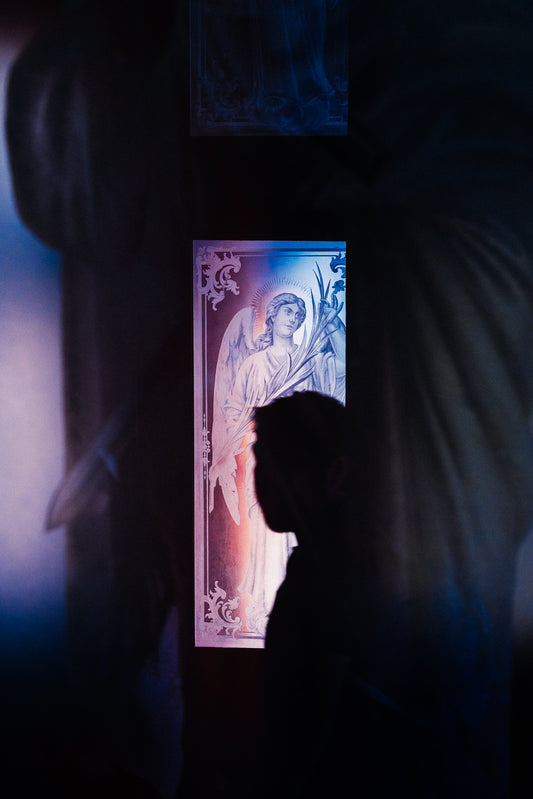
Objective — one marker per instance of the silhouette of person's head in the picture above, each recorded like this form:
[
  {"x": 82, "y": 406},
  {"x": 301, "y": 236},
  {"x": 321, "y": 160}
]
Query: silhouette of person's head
[{"x": 302, "y": 462}]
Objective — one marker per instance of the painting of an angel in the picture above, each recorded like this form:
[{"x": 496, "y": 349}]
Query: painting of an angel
[{"x": 299, "y": 346}]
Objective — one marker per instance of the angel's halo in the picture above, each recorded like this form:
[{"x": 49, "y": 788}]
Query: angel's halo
[{"x": 277, "y": 285}]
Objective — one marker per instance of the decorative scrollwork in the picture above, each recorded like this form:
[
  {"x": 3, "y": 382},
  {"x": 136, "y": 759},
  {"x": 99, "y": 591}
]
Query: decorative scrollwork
[
  {"x": 215, "y": 274},
  {"x": 225, "y": 103},
  {"x": 206, "y": 446},
  {"x": 219, "y": 611},
  {"x": 338, "y": 264}
]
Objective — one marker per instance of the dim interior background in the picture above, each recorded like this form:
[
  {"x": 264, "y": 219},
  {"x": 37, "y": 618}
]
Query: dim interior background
[{"x": 32, "y": 562}]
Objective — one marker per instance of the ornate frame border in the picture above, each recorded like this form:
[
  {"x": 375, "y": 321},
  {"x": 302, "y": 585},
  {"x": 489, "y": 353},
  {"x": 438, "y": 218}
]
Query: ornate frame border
[{"x": 217, "y": 268}]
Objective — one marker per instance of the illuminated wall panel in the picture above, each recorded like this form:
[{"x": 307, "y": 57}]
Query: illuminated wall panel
[
  {"x": 274, "y": 67},
  {"x": 269, "y": 319}
]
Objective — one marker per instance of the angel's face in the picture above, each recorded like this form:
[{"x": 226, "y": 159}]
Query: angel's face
[{"x": 287, "y": 320}]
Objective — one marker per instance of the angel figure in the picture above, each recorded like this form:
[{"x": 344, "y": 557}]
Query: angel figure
[
  {"x": 251, "y": 373},
  {"x": 291, "y": 85}
]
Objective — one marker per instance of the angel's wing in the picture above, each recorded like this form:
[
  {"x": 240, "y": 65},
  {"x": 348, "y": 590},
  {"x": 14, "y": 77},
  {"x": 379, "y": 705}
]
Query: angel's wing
[{"x": 237, "y": 344}]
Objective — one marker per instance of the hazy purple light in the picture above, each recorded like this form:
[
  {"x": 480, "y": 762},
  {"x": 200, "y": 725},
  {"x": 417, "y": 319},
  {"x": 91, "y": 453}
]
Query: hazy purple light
[{"x": 31, "y": 430}]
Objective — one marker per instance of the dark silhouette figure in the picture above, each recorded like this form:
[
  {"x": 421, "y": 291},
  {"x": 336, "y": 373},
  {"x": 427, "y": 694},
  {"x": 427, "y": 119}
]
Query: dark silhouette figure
[
  {"x": 339, "y": 706},
  {"x": 302, "y": 477}
]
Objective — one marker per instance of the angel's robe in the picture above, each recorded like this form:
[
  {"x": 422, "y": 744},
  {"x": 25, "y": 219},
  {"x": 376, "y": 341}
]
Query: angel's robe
[{"x": 252, "y": 383}]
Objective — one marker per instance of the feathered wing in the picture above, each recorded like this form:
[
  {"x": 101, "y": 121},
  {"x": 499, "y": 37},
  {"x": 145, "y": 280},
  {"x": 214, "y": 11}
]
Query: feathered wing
[{"x": 237, "y": 344}]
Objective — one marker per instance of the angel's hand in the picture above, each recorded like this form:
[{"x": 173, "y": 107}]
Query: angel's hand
[
  {"x": 223, "y": 472},
  {"x": 331, "y": 312}
]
